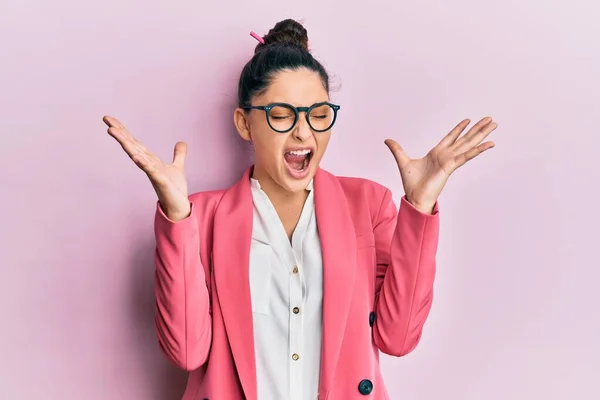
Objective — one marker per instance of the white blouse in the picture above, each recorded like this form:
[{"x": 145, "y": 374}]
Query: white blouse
[{"x": 286, "y": 286}]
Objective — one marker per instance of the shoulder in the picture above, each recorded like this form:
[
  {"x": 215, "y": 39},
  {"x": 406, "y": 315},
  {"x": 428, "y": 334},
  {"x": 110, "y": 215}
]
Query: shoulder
[
  {"x": 207, "y": 201},
  {"x": 364, "y": 193},
  {"x": 362, "y": 187}
]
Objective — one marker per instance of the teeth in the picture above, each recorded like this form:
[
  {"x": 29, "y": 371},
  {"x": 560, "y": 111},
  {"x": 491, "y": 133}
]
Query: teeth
[{"x": 299, "y": 152}]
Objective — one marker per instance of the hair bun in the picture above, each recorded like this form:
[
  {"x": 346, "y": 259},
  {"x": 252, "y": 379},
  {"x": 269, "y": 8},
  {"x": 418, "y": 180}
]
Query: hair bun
[{"x": 288, "y": 31}]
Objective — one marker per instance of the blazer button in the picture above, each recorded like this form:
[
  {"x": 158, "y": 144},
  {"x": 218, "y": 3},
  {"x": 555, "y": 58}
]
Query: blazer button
[
  {"x": 371, "y": 318},
  {"x": 365, "y": 387}
]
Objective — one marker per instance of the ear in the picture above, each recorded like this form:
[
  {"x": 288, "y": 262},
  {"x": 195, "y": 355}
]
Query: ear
[{"x": 240, "y": 120}]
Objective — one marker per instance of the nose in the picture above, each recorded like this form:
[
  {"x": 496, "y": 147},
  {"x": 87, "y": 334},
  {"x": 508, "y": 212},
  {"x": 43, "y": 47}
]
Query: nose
[{"x": 302, "y": 131}]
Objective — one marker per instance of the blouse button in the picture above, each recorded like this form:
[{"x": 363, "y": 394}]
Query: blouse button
[
  {"x": 295, "y": 270},
  {"x": 296, "y": 310},
  {"x": 365, "y": 387},
  {"x": 295, "y": 357}
]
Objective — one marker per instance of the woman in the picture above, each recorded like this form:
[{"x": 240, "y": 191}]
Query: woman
[{"x": 288, "y": 284}]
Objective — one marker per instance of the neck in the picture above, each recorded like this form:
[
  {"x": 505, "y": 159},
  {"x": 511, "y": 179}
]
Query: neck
[{"x": 279, "y": 196}]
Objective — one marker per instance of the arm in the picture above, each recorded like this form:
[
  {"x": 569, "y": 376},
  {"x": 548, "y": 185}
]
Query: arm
[
  {"x": 406, "y": 245},
  {"x": 183, "y": 316}
]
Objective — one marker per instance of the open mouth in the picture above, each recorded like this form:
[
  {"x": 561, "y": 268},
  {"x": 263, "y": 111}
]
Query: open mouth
[{"x": 298, "y": 161}]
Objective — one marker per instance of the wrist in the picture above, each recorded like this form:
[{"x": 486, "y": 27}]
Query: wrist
[
  {"x": 424, "y": 207},
  {"x": 177, "y": 215}
]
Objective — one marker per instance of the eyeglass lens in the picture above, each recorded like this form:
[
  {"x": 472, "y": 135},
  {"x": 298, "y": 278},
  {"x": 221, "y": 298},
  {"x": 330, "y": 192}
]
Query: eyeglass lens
[{"x": 282, "y": 118}]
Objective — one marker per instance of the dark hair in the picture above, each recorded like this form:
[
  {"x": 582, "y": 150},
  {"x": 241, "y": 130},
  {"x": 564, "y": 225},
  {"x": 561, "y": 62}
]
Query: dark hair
[{"x": 285, "y": 48}]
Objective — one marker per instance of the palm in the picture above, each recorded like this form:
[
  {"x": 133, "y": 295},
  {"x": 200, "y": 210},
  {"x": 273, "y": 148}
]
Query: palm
[
  {"x": 422, "y": 175},
  {"x": 168, "y": 180},
  {"x": 171, "y": 177},
  {"x": 424, "y": 178}
]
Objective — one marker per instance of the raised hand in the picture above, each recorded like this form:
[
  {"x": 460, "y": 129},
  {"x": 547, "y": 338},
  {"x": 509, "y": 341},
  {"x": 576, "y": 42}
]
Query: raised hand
[
  {"x": 168, "y": 180},
  {"x": 424, "y": 178}
]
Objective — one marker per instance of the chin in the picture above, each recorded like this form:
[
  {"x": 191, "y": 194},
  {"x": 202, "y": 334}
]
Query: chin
[
  {"x": 294, "y": 170},
  {"x": 294, "y": 183}
]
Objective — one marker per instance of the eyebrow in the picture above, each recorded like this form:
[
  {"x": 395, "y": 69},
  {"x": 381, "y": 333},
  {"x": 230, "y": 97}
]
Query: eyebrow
[{"x": 296, "y": 104}]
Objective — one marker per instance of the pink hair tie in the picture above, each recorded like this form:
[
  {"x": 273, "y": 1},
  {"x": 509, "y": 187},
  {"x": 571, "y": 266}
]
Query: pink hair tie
[{"x": 257, "y": 37}]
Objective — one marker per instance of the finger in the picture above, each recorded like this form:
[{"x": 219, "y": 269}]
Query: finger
[
  {"x": 111, "y": 121},
  {"x": 476, "y": 128},
  {"x": 149, "y": 163},
  {"x": 131, "y": 146},
  {"x": 472, "y": 139},
  {"x": 454, "y": 133},
  {"x": 143, "y": 158},
  {"x": 463, "y": 158},
  {"x": 123, "y": 137},
  {"x": 179, "y": 154},
  {"x": 119, "y": 132},
  {"x": 398, "y": 152}
]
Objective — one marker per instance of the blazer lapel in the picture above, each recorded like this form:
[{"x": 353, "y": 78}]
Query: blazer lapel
[
  {"x": 231, "y": 255},
  {"x": 338, "y": 245}
]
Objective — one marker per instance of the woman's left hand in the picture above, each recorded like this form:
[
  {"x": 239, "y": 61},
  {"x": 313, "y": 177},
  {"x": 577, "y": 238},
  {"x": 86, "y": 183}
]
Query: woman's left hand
[{"x": 424, "y": 178}]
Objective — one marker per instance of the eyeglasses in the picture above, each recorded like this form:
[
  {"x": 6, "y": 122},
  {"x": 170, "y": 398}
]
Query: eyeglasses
[{"x": 282, "y": 117}]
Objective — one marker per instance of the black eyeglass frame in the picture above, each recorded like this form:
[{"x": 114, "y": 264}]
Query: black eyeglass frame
[{"x": 297, "y": 110}]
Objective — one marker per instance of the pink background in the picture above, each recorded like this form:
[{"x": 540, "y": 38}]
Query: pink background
[{"x": 516, "y": 307}]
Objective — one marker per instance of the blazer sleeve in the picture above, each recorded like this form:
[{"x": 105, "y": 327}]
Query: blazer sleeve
[
  {"x": 183, "y": 316},
  {"x": 406, "y": 245}
]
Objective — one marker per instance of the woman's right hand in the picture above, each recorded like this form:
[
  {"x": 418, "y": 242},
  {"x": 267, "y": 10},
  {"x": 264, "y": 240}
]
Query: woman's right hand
[{"x": 168, "y": 180}]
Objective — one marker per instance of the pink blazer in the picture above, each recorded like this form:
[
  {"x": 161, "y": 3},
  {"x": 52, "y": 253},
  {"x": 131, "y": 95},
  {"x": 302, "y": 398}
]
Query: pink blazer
[{"x": 378, "y": 273}]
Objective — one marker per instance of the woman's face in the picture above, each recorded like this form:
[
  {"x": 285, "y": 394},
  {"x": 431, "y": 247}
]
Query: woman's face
[{"x": 288, "y": 160}]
